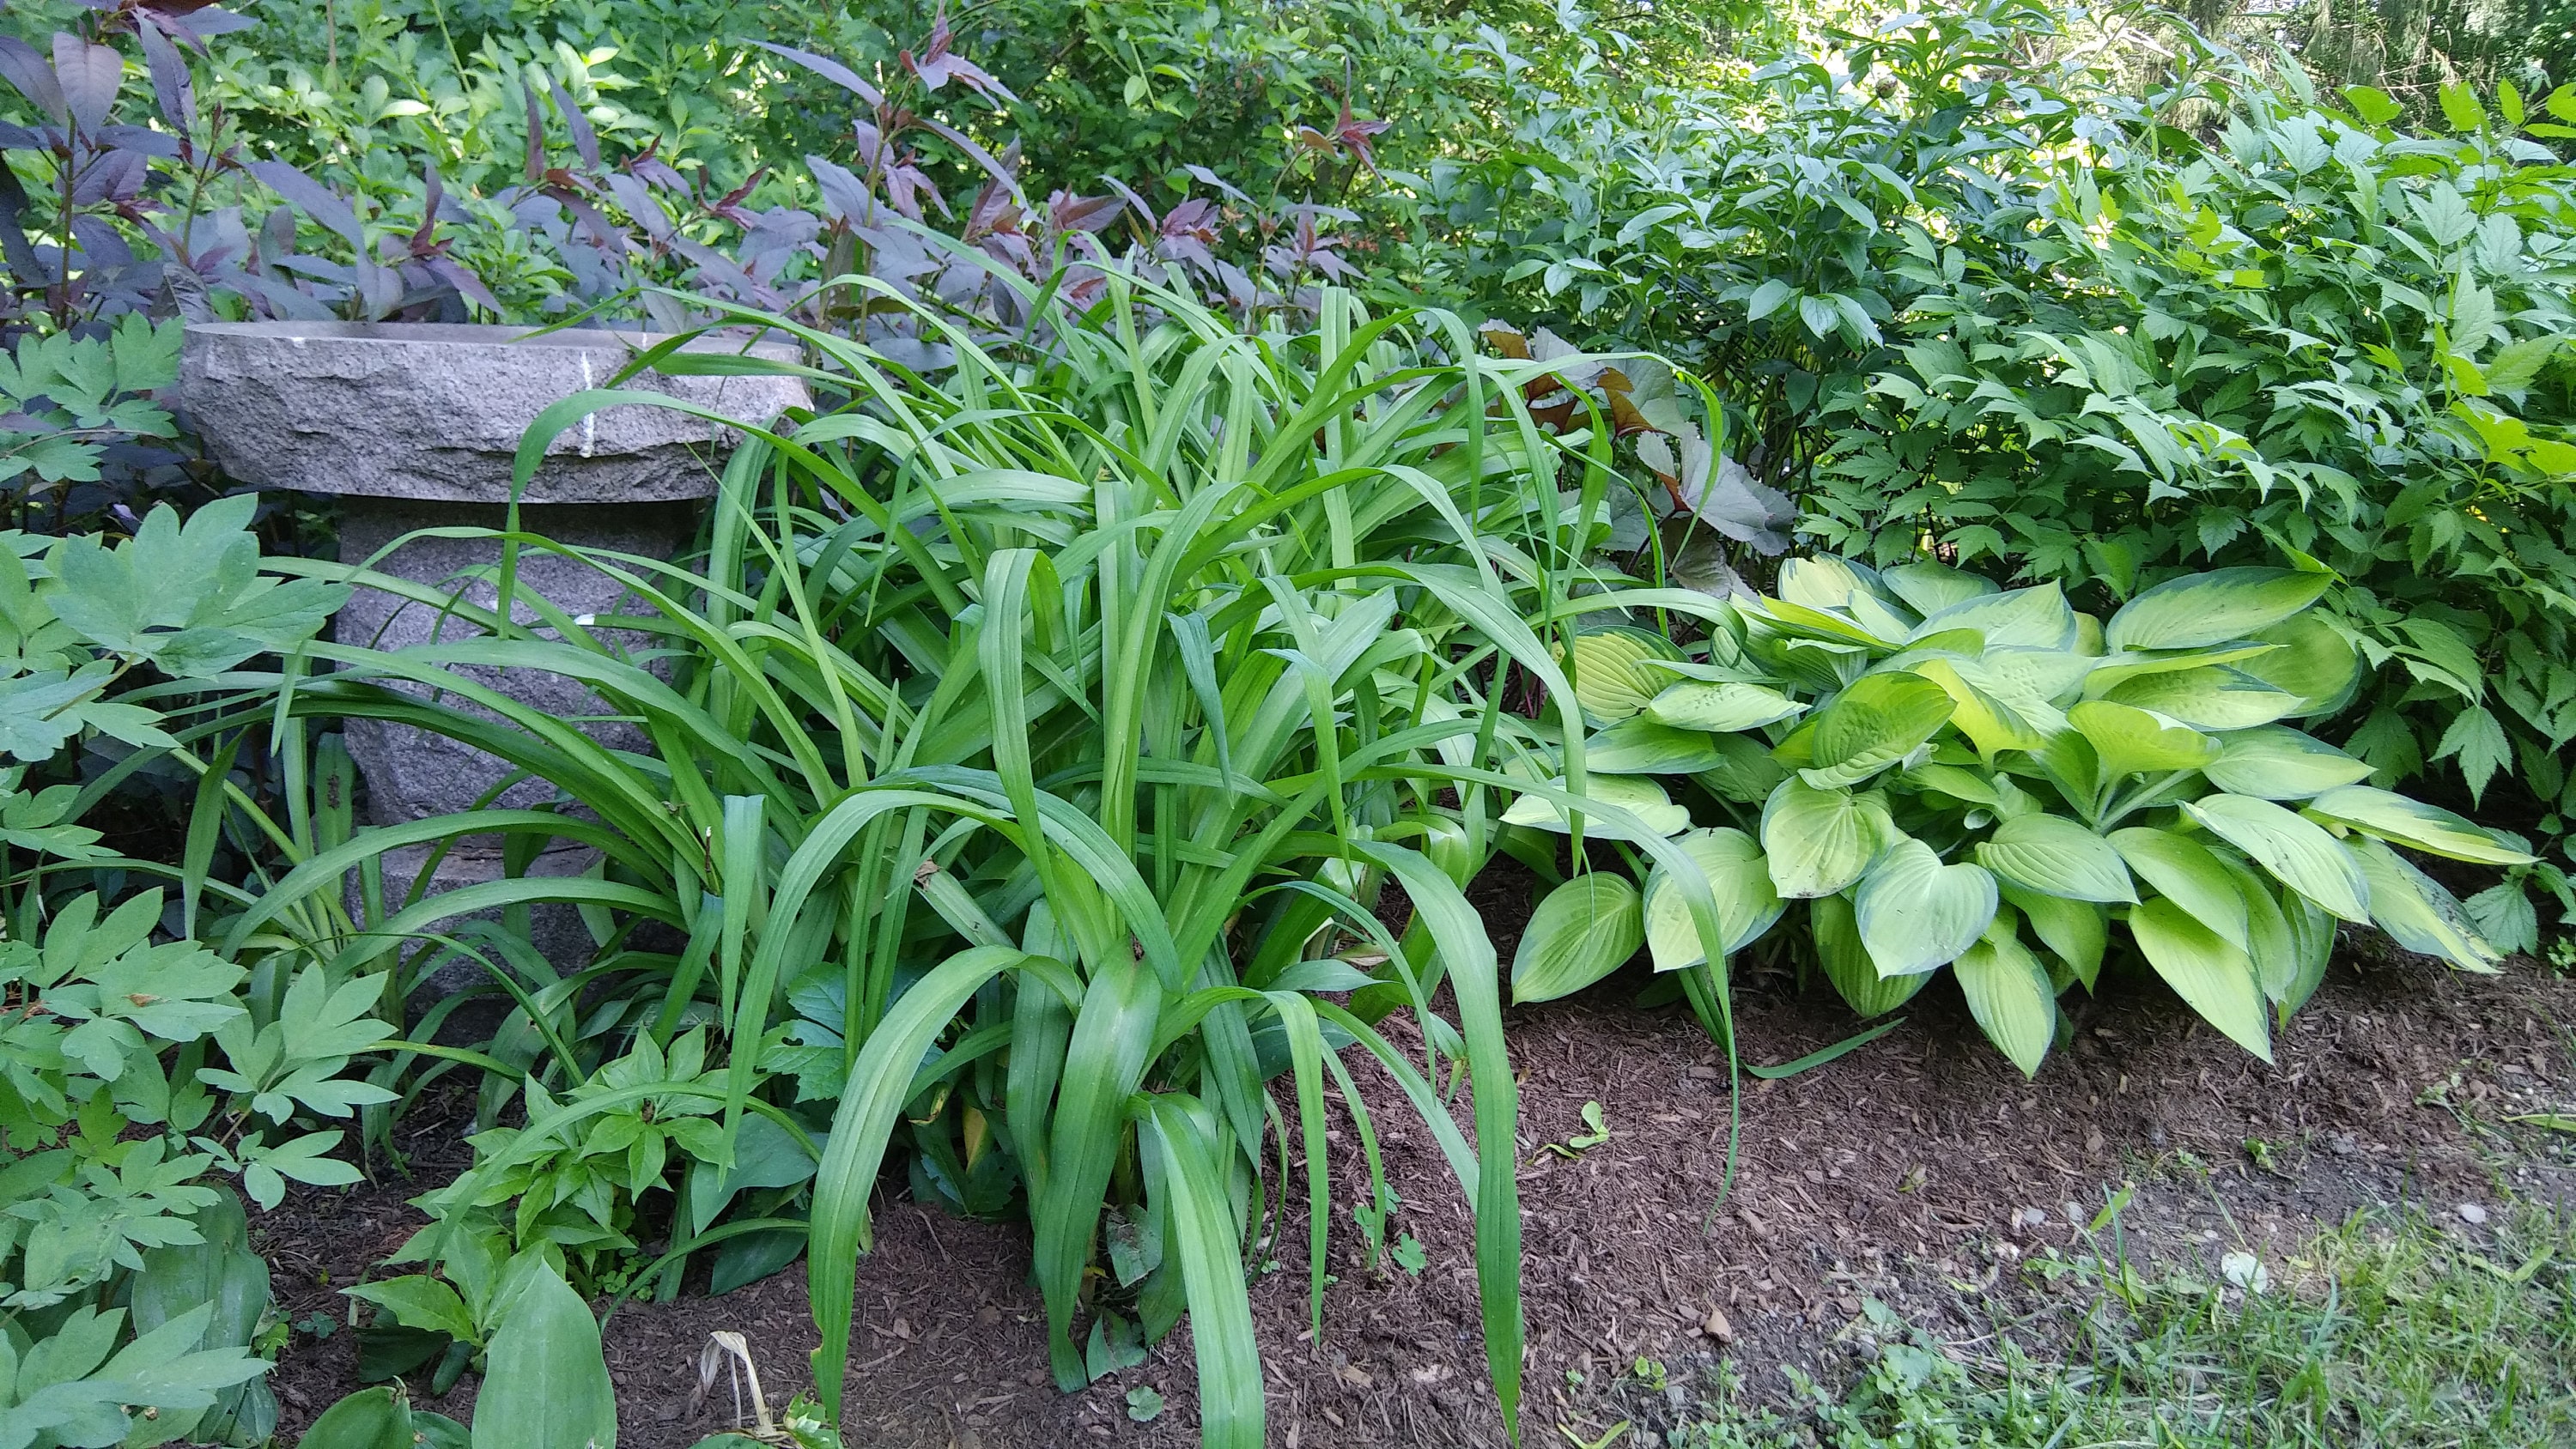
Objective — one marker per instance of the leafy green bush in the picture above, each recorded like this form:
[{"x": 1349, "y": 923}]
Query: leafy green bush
[
  {"x": 2318, "y": 334},
  {"x": 1952, "y": 775}
]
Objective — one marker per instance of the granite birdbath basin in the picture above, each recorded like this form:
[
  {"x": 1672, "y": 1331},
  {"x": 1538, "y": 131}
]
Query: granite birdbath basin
[{"x": 414, "y": 426}]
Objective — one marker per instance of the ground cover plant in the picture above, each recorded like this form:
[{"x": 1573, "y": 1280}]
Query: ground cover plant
[{"x": 1940, "y": 764}]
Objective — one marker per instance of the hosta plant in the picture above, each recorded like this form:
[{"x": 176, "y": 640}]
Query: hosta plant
[{"x": 1953, "y": 775}]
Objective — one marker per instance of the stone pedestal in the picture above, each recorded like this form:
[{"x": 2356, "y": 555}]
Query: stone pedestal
[{"x": 416, "y": 426}]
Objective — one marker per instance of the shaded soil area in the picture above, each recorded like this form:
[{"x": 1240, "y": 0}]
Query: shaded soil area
[{"x": 1915, "y": 1170}]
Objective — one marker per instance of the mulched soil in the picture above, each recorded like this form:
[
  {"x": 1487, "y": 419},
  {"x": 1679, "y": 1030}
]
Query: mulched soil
[{"x": 1915, "y": 1170}]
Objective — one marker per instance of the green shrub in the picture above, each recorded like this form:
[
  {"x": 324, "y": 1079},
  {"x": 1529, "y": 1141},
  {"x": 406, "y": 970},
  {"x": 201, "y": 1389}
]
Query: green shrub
[
  {"x": 1952, "y": 775},
  {"x": 2317, "y": 334}
]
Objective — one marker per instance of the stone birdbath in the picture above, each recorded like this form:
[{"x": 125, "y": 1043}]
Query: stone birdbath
[{"x": 415, "y": 426}]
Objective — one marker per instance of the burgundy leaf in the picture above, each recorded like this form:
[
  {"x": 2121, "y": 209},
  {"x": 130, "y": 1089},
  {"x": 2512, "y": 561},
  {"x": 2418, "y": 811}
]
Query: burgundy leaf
[
  {"x": 33, "y": 77},
  {"x": 171, "y": 86},
  {"x": 433, "y": 195},
  {"x": 461, "y": 277},
  {"x": 310, "y": 197},
  {"x": 830, "y": 70},
  {"x": 585, "y": 141},
  {"x": 536, "y": 132},
  {"x": 1223, "y": 186},
  {"x": 89, "y": 75},
  {"x": 1355, "y": 135},
  {"x": 641, "y": 208},
  {"x": 981, "y": 157},
  {"x": 845, "y": 195},
  {"x": 1138, "y": 202},
  {"x": 907, "y": 183},
  {"x": 1068, "y": 212},
  {"x": 194, "y": 21}
]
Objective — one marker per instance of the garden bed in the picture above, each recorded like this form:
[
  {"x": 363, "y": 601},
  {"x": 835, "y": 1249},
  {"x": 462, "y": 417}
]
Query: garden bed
[{"x": 1905, "y": 1171}]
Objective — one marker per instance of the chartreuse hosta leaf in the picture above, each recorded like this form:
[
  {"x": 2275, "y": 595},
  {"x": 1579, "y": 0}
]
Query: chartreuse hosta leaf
[
  {"x": 2186, "y": 873},
  {"x": 1990, "y": 724},
  {"x": 1872, "y": 725},
  {"x": 1739, "y": 879},
  {"x": 1638, "y": 745},
  {"x": 1846, "y": 961},
  {"x": 2276, "y": 762},
  {"x": 1722, "y": 707},
  {"x": 1916, "y": 914},
  {"x": 1928, "y": 587},
  {"x": 1825, "y": 582},
  {"x": 2037, "y": 618},
  {"x": 2297, "y": 851},
  {"x": 2009, "y": 994},
  {"x": 2132, "y": 741},
  {"x": 2057, "y": 857},
  {"x": 2313, "y": 661},
  {"x": 1819, "y": 841},
  {"x": 1641, "y": 797},
  {"x": 1611, "y": 677},
  {"x": 1584, "y": 930},
  {"x": 2075, "y": 932},
  {"x": 2213, "y": 697},
  {"x": 2411, "y": 823},
  {"x": 2212, "y": 608},
  {"x": 2205, "y": 969},
  {"x": 2417, "y": 912}
]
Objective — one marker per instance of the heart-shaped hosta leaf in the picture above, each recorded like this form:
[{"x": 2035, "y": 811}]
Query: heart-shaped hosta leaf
[
  {"x": 2009, "y": 994},
  {"x": 2213, "y": 697},
  {"x": 2076, "y": 932},
  {"x": 2212, "y": 608},
  {"x": 1721, "y": 708},
  {"x": 2205, "y": 970},
  {"x": 2314, "y": 662},
  {"x": 2296, "y": 850},
  {"x": 2276, "y": 762},
  {"x": 1639, "y": 746},
  {"x": 2057, "y": 857},
  {"x": 1929, "y": 587},
  {"x": 2185, "y": 872},
  {"x": 2020, "y": 619},
  {"x": 1611, "y": 678},
  {"x": 1745, "y": 772},
  {"x": 2428, "y": 828},
  {"x": 1872, "y": 725},
  {"x": 2417, "y": 912},
  {"x": 1819, "y": 841},
  {"x": 1847, "y": 964},
  {"x": 1989, "y": 723},
  {"x": 1584, "y": 930},
  {"x": 1739, "y": 880},
  {"x": 1635, "y": 794},
  {"x": 2132, "y": 741},
  {"x": 1916, "y": 914}
]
